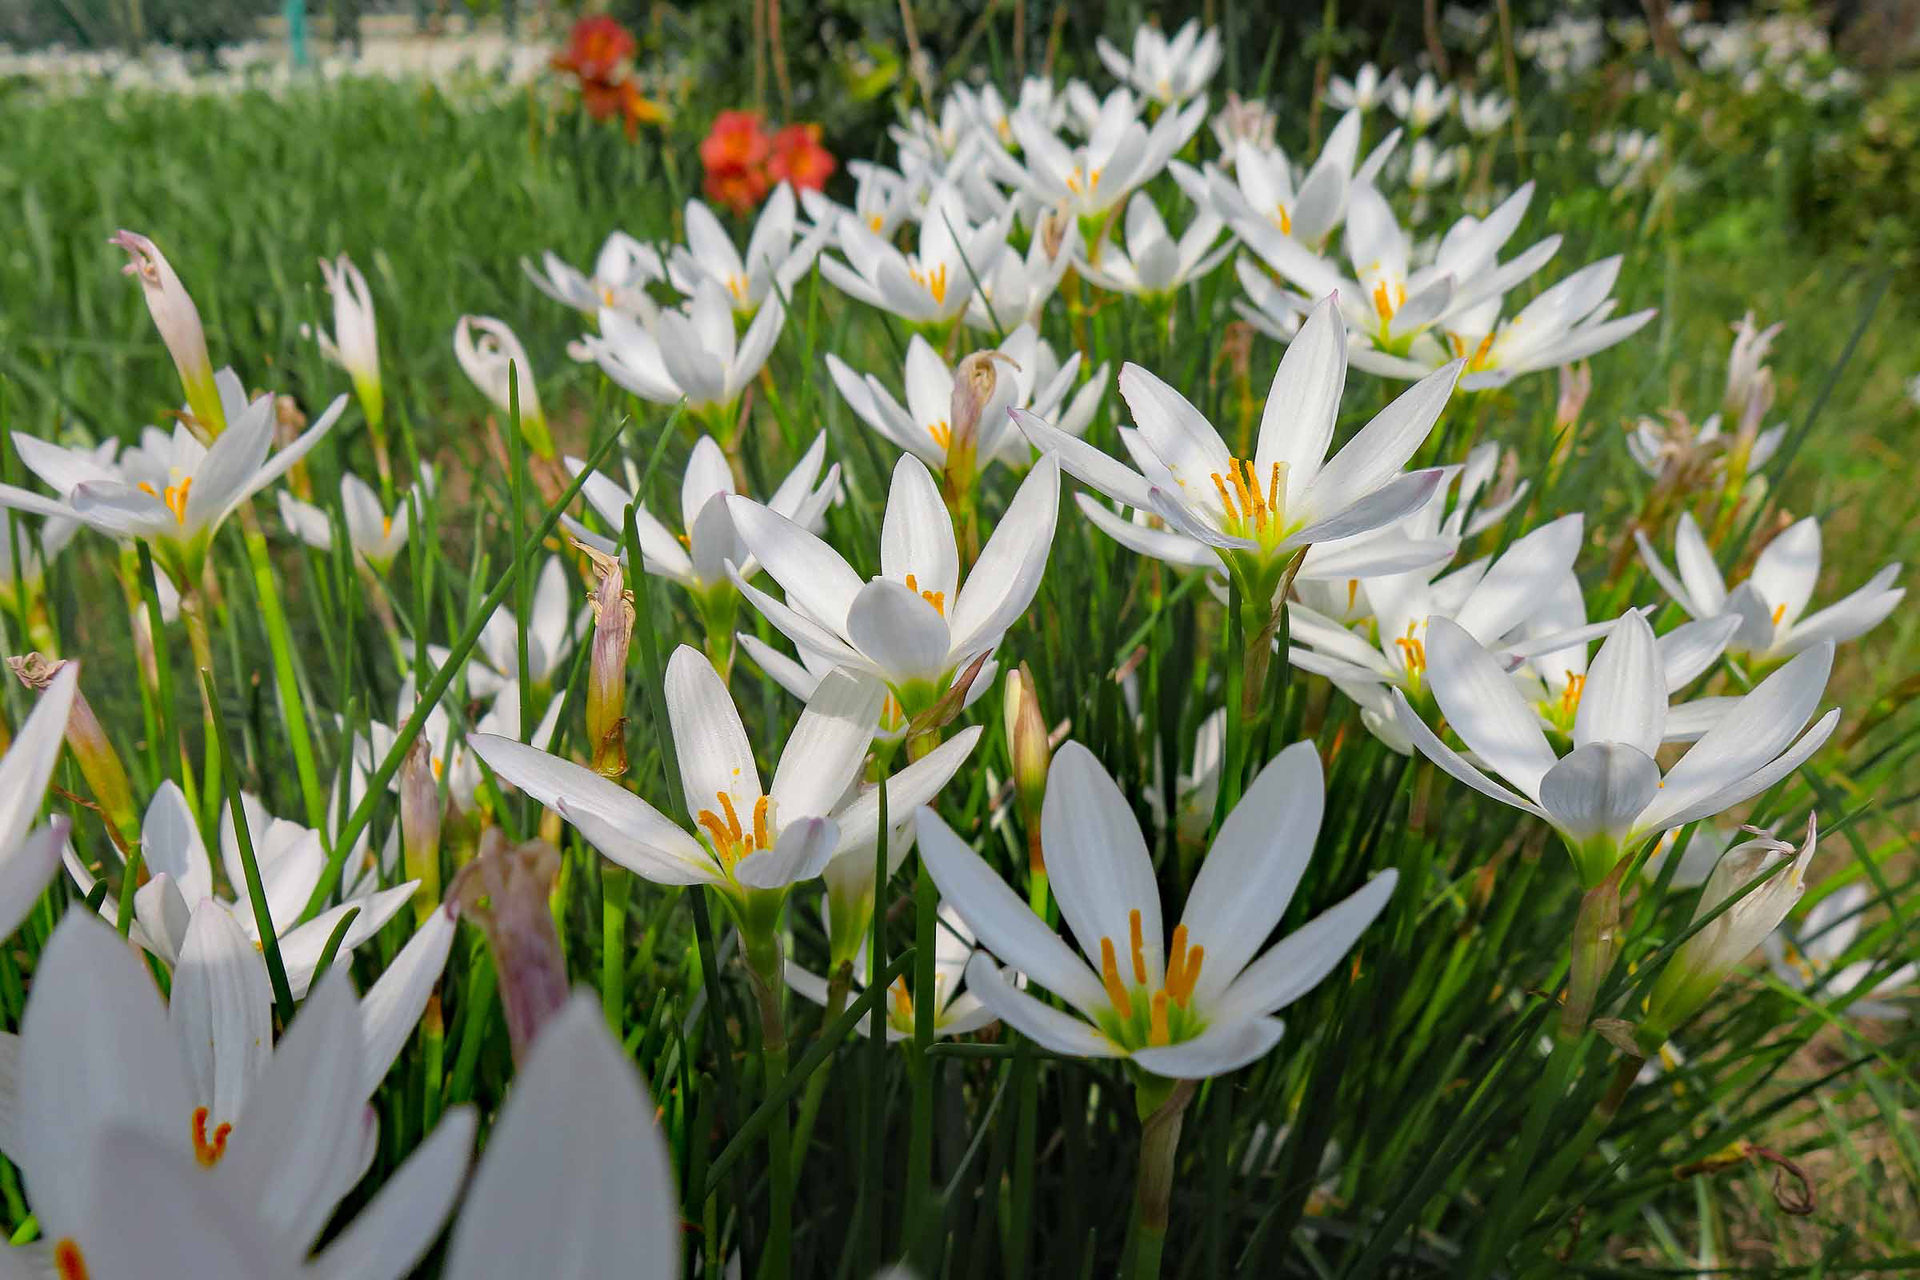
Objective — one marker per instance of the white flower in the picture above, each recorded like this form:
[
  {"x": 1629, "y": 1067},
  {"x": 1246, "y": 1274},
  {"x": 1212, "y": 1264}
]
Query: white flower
[
  {"x": 1255, "y": 514},
  {"x": 1771, "y": 601},
  {"x": 553, "y": 626},
  {"x": 1168, "y": 71},
  {"x": 689, "y": 354},
  {"x": 1244, "y": 120},
  {"x": 1307, "y": 206},
  {"x": 801, "y": 676},
  {"x": 291, "y": 862},
  {"x": 1422, "y": 106},
  {"x": 1608, "y": 794},
  {"x": 621, "y": 274},
  {"x": 698, "y": 559},
  {"x": 1155, "y": 265},
  {"x": 773, "y": 265},
  {"x": 354, "y": 344},
  {"x": 1119, "y": 155},
  {"x": 1035, "y": 380},
  {"x": 118, "y": 1106},
  {"x": 1429, "y": 167},
  {"x": 1487, "y": 114},
  {"x": 954, "y": 1014},
  {"x": 751, "y": 840},
  {"x": 447, "y": 752},
  {"x": 929, "y": 287},
  {"x": 883, "y": 198},
  {"x": 916, "y": 624},
  {"x": 374, "y": 535},
  {"x": 1016, "y": 289},
  {"x": 173, "y": 492},
  {"x": 1194, "y": 1007},
  {"x": 29, "y": 855},
  {"x": 1812, "y": 952},
  {"x": 1676, "y": 446},
  {"x": 486, "y": 360},
  {"x": 1367, "y": 89}
]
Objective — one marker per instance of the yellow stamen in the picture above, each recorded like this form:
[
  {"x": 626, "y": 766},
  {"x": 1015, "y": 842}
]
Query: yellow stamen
[
  {"x": 1110, "y": 977},
  {"x": 68, "y": 1264},
  {"x": 386, "y": 526},
  {"x": 934, "y": 281},
  {"x": 731, "y": 842},
  {"x": 760, "y": 839},
  {"x": 1226, "y": 500},
  {"x": 1157, "y": 1033},
  {"x": 942, "y": 433},
  {"x": 1139, "y": 946},
  {"x": 175, "y": 497},
  {"x": 1280, "y": 216},
  {"x": 876, "y": 222},
  {"x": 1779, "y": 612},
  {"x": 208, "y": 1150},
  {"x": 1570, "y": 696},
  {"x": 1182, "y": 991},
  {"x": 902, "y": 1002},
  {"x": 1246, "y": 505},
  {"x": 938, "y": 599},
  {"x": 737, "y": 286},
  {"x": 1413, "y": 650},
  {"x": 1353, "y": 592},
  {"x": 1176, "y": 956}
]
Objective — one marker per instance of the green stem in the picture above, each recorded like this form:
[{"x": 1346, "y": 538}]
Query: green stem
[
  {"x": 193, "y": 613},
  {"x": 616, "y": 882},
  {"x": 1547, "y": 1093},
  {"x": 1543, "y": 1188},
  {"x": 763, "y": 967},
  {"x": 1153, "y": 1193},
  {"x": 920, "y": 1188},
  {"x": 293, "y": 711}
]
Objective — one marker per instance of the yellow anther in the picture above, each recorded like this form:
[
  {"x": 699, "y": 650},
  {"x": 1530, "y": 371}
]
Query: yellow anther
[
  {"x": 1157, "y": 1033},
  {"x": 1182, "y": 991},
  {"x": 1382, "y": 303},
  {"x": 386, "y": 526},
  {"x": 942, "y": 433},
  {"x": 737, "y": 286},
  {"x": 1110, "y": 977},
  {"x": 901, "y": 1001},
  {"x": 1139, "y": 946},
  {"x": 1226, "y": 499},
  {"x": 938, "y": 599},
  {"x": 208, "y": 1149},
  {"x": 175, "y": 497},
  {"x": 1779, "y": 612},
  {"x": 1247, "y": 505},
  {"x": 1353, "y": 592},
  {"x": 1281, "y": 216},
  {"x": 934, "y": 281},
  {"x": 760, "y": 838},
  {"x": 731, "y": 842},
  {"x": 68, "y": 1263},
  {"x": 1413, "y": 650},
  {"x": 1570, "y": 696},
  {"x": 876, "y": 222},
  {"x": 1176, "y": 957}
]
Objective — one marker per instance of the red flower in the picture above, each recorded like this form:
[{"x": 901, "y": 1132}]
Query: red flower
[
  {"x": 595, "y": 50},
  {"x": 799, "y": 158},
  {"x": 736, "y": 141}
]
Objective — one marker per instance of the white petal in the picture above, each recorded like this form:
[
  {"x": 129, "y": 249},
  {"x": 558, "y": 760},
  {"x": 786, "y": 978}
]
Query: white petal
[
  {"x": 1296, "y": 964},
  {"x": 1046, "y": 1026},
  {"x": 1003, "y": 580},
  {"x": 392, "y": 1007},
  {"x": 388, "y": 1237},
  {"x": 708, "y": 738},
  {"x": 1484, "y": 706},
  {"x": 1451, "y": 761},
  {"x": 1226, "y": 1045},
  {"x": 1382, "y": 447},
  {"x": 902, "y": 634},
  {"x": 1625, "y": 697},
  {"x": 825, "y": 750},
  {"x": 916, "y": 535},
  {"x": 801, "y": 852},
  {"x": 1598, "y": 790},
  {"x": 221, "y": 1008},
  {"x": 812, "y": 573},
  {"x": 1098, "y": 864}
]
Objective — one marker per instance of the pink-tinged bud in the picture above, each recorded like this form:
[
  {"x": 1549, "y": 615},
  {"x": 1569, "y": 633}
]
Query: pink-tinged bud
[
  {"x": 355, "y": 344},
  {"x": 1052, "y": 232},
  {"x": 504, "y": 891},
  {"x": 92, "y": 750},
  {"x": 1576, "y": 384},
  {"x": 1029, "y": 753},
  {"x": 974, "y": 385},
  {"x": 178, "y": 321},
  {"x": 1746, "y": 368},
  {"x": 420, "y": 811},
  {"x": 607, "y": 666},
  {"x": 497, "y": 363}
]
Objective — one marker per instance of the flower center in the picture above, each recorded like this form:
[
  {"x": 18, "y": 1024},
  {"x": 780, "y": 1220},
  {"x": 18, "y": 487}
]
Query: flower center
[
  {"x": 68, "y": 1263},
  {"x": 1561, "y": 711},
  {"x": 737, "y": 286},
  {"x": 1478, "y": 359},
  {"x": 208, "y": 1149},
  {"x": 876, "y": 222},
  {"x": 730, "y": 842},
  {"x": 934, "y": 281},
  {"x": 1250, "y": 512},
  {"x": 1157, "y": 1017},
  {"x": 606, "y": 296},
  {"x": 1283, "y": 218},
  {"x": 1081, "y": 182},
  {"x": 175, "y": 496},
  {"x": 1387, "y": 301},
  {"x": 938, "y": 599},
  {"x": 386, "y": 526},
  {"x": 1413, "y": 650},
  {"x": 942, "y": 433}
]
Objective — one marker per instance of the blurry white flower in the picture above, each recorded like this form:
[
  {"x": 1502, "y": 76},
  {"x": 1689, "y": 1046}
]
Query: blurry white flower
[
  {"x": 1366, "y": 90},
  {"x": 1168, "y": 71},
  {"x": 1265, "y": 188},
  {"x": 1153, "y": 265},
  {"x": 498, "y": 366},
  {"x": 1422, "y": 106},
  {"x": 374, "y": 535},
  {"x": 621, "y": 273},
  {"x": 1487, "y": 114},
  {"x": 354, "y": 344},
  {"x": 689, "y": 354},
  {"x": 1810, "y": 953},
  {"x": 773, "y": 265},
  {"x": 954, "y": 1014},
  {"x": 932, "y": 286}
]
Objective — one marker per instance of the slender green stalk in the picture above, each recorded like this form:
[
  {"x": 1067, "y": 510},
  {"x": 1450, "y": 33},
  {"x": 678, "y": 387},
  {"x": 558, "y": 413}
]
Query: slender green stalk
[
  {"x": 293, "y": 709},
  {"x": 1163, "y": 1107},
  {"x": 616, "y": 882}
]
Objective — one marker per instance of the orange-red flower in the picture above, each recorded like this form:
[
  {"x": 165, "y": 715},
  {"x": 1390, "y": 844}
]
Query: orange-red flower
[
  {"x": 799, "y": 158},
  {"x": 737, "y": 140},
  {"x": 595, "y": 49}
]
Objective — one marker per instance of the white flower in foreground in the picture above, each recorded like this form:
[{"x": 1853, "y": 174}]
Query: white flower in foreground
[
  {"x": 175, "y": 496},
  {"x": 1487, "y": 114},
  {"x": 1306, "y": 205},
  {"x": 1608, "y": 794},
  {"x": 753, "y": 844},
  {"x": 1405, "y": 322},
  {"x": 374, "y": 535},
  {"x": 954, "y": 1014},
  {"x": 1168, "y": 71},
  {"x": 1256, "y": 514},
  {"x": 801, "y": 676},
  {"x": 1367, "y": 90},
  {"x": 354, "y": 344},
  {"x": 883, "y": 198},
  {"x": 1119, "y": 155},
  {"x": 773, "y": 264},
  {"x": 916, "y": 624},
  {"x": 1194, "y": 1007},
  {"x": 621, "y": 274},
  {"x": 1810, "y": 955},
  {"x": 691, "y": 354},
  {"x": 929, "y": 287},
  {"x": 1772, "y": 600},
  {"x": 291, "y": 862},
  {"x": 1154, "y": 265},
  {"x": 30, "y": 855},
  {"x": 553, "y": 627},
  {"x": 497, "y": 364},
  {"x": 1705, "y": 960},
  {"x": 127, "y": 1169},
  {"x": 1035, "y": 380},
  {"x": 697, "y": 559},
  {"x": 1422, "y": 106}
]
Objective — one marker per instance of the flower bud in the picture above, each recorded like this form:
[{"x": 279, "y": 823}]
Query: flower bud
[
  {"x": 613, "y": 618},
  {"x": 1747, "y": 375},
  {"x": 1028, "y": 753},
  {"x": 92, "y": 750},
  {"x": 1596, "y": 942},
  {"x": 1703, "y": 961},
  {"x": 974, "y": 383},
  {"x": 355, "y": 345},
  {"x": 504, "y": 891},
  {"x": 178, "y": 321},
  {"x": 488, "y": 360},
  {"x": 420, "y": 825},
  {"x": 1576, "y": 384}
]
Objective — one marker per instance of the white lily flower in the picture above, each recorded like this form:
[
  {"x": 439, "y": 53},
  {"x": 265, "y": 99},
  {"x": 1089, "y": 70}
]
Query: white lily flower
[
  {"x": 1405, "y": 322},
  {"x": 1812, "y": 954},
  {"x": 1244, "y": 121},
  {"x": 932, "y": 286},
  {"x": 1119, "y": 155},
  {"x": 1367, "y": 90},
  {"x": 773, "y": 265},
  {"x": 65, "y": 469},
  {"x": 291, "y": 861},
  {"x": 553, "y": 627},
  {"x": 621, "y": 273},
  {"x": 1676, "y": 446},
  {"x": 1035, "y": 380},
  {"x": 173, "y": 492},
  {"x": 1485, "y": 115},
  {"x": 691, "y": 354},
  {"x": 1608, "y": 794},
  {"x": 916, "y": 624},
  {"x": 354, "y": 344},
  {"x": 1016, "y": 290},
  {"x": 375, "y": 536},
  {"x": 698, "y": 559},
  {"x": 1705, "y": 960},
  {"x": 117, "y": 1136},
  {"x": 489, "y": 359},
  {"x": 954, "y": 1014},
  {"x": 1422, "y": 106},
  {"x": 1772, "y": 601},
  {"x": 447, "y": 752},
  {"x": 883, "y": 198},
  {"x": 1307, "y": 206},
  {"x": 1153, "y": 264},
  {"x": 1168, "y": 71},
  {"x": 29, "y": 855},
  {"x": 1255, "y": 514},
  {"x": 751, "y": 841},
  {"x": 1429, "y": 167},
  {"x": 1196, "y": 1007},
  {"x": 801, "y": 676}
]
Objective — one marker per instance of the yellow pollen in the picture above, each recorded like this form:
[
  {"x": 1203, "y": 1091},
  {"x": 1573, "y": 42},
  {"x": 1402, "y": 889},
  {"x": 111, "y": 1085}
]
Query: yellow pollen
[
  {"x": 901, "y": 1001},
  {"x": 1110, "y": 977},
  {"x": 1478, "y": 359},
  {"x": 1413, "y": 650},
  {"x": 1281, "y": 216},
  {"x": 934, "y": 281},
  {"x": 68, "y": 1264},
  {"x": 1353, "y": 592},
  {"x": 1182, "y": 991},
  {"x": 1139, "y": 946},
  {"x": 737, "y": 286},
  {"x": 1386, "y": 304},
  {"x": 1779, "y": 612},
  {"x": 1570, "y": 696},
  {"x": 208, "y": 1150},
  {"x": 175, "y": 496},
  {"x": 731, "y": 842},
  {"x": 942, "y": 433},
  {"x": 606, "y": 295},
  {"x": 876, "y": 222},
  {"x": 938, "y": 599},
  {"x": 1157, "y": 1033},
  {"x": 386, "y": 526},
  {"x": 1247, "y": 504}
]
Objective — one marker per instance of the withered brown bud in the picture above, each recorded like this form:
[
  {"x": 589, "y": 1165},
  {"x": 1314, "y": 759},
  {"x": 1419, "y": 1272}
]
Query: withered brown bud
[
  {"x": 92, "y": 749},
  {"x": 613, "y": 618},
  {"x": 504, "y": 891}
]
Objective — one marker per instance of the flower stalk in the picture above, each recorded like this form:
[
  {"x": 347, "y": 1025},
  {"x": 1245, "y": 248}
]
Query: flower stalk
[{"x": 1162, "y": 1105}]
